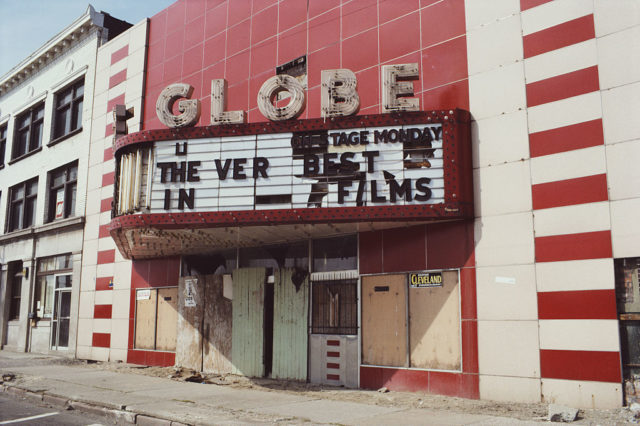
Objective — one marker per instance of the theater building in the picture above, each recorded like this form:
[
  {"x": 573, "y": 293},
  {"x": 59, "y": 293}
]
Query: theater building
[
  {"x": 45, "y": 123},
  {"x": 431, "y": 196}
]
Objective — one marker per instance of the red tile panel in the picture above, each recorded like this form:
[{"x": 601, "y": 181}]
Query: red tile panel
[
  {"x": 195, "y": 32},
  {"x": 368, "y": 87},
  {"x": 588, "y": 245},
  {"x": 333, "y": 342},
  {"x": 567, "y": 138},
  {"x": 333, "y": 365},
  {"x": 333, "y": 354},
  {"x": 528, "y": 4},
  {"x": 238, "y": 97},
  {"x": 214, "y": 50},
  {"x": 215, "y": 20},
  {"x": 404, "y": 249},
  {"x": 292, "y": 43},
  {"x": 192, "y": 63},
  {"x": 394, "y": 9},
  {"x": 468, "y": 294},
  {"x": 358, "y": 16},
  {"x": 325, "y": 59},
  {"x": 582, "y": 304},
  {"x": 318, "y": 7},
  {"x": 176, "y": 16},
  {"x": 361, "y": 51},
  {"x": 561, "y": 35},
  {"x": 291, "y": 13},
  {"x": 238, "y": 37},
  {"x": 449, "y": 245},
  {"x": 239, "y": 10},
  {"x": 117, "y": 78},
  {"x": 264, "y": 24},
  {"x": 102, "y": 311},
  {"x": 370, "y": 252},
  {"x": 108, "y": 130},
  {"x": 118, "y": 100},
  {"x": 259, "y": 5},
  {"x": 101, "y": 340},
  {"x": 442, "y": 21},
  {"x": 119, "y": 54},
  {"x": 324, "y": 30},
  {"x": 563, "y": 86},
  {"x": 104, "y": 231},
  {"x": 108, "y": 154},
  {"x": 107, "y": 178},
  {"x": 105, "y": 205},
  {"x": 588, "y": 189},
  {"x": 194, "y": 10},
  {"x": 399, "y": 37},
  {"x": 263, "y": 58},
  {"x": 106, "y": 256},
  {"x": 597, "y": 366},
  {"x": 470, "y": 346},
  {"x": 104, "y": 283},
  {"x": 444, "y": 63},
  {"x": 454, "y": 95},
  {"x": 174, "y": 43},
  {"x": 333, "y": 377}
]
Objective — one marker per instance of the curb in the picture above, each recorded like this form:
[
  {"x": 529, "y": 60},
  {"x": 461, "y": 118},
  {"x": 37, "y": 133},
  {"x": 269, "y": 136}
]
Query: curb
[{"x": 120, "y": 414}]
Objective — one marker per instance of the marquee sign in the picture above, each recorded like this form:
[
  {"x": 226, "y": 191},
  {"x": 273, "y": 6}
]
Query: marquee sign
[{"x": 391, "y": 165}]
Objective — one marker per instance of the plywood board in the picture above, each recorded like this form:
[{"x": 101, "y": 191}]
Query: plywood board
[
  {"x": 384, "y": 320},
  {"x": 217, "y": 330},
  {"x": 434, "y": 325},
  {"x": 167, "y": 319},
  {"x": 290, "y": 332},
  {"x": 146, "y": 322},
  {"x": 189, "y": 338},
  {"x": 248, "y": 321}
]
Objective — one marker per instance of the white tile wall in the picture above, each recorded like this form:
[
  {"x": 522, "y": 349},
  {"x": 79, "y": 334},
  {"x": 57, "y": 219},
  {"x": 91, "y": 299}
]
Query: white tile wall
[
  {"x": 502, "y": 189},
  {"x": 611, "y": 16},
  {"x": 562, "y": 113},
  {"x": 623, "y": 173},
  {"x": 119, "y": 333},
  {"x": 553, "y": 13},
  {"x": 500, "y": 139},
  {"x": 102, "y": 325},
  {"x": 85, "y": 310},
  {"x": 620, "y": 110},
  {"x": 120, "y": 309},
  {"x": 504, "y": 240},
  {"x": 579, "y": 335},
  {"x": 486, "y": 100},
  {"x": 100, "y": 354},
  {"x": 506, "y": 292},
  {"x": 592, "y": 274},
  {"x": 568, "y": 165},
  {"x": 481, "y": 42},
  {"x": 103, "y": 297},
  {"x": 85, "y": 332},
  {"x": 572, "y": 219},
  {"x": 581, "y": 394},
  {"x": 561, "y": 61},
  {"x": 625, "y": 227},
  {"x": 617, "y": 63},
  {"x": 509, "y": 389},
  {"x": 479, "y": 12},
  {"x": 521, "y": 337}
]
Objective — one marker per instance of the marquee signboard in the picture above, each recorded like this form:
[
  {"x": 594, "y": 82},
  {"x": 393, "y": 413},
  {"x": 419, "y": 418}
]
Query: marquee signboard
[{"x": 398, "y": 167}]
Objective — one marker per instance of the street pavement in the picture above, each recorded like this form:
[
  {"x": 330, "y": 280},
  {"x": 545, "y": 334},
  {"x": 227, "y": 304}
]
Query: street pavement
[{"x": 133, "y": 398}]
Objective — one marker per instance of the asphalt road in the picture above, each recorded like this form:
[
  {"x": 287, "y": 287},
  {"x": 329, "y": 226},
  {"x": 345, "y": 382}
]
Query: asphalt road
[{"x": 15, "y": 411}]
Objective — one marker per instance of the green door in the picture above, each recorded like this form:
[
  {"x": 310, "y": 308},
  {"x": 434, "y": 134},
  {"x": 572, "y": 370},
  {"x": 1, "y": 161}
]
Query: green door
[
  {"x": 248, "y": 322},
  {"x": 290, "y": 335}
]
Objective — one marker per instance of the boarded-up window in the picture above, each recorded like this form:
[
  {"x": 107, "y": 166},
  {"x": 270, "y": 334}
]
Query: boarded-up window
[
  {"x": 335, "y": 307},
  {"x": 156, "y": 318}
]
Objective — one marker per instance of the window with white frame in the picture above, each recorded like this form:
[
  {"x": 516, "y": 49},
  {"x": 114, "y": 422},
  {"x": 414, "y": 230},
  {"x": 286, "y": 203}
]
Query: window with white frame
[
  {"x": 28, "y": 134},
  {"x": 67, "y": 116}
]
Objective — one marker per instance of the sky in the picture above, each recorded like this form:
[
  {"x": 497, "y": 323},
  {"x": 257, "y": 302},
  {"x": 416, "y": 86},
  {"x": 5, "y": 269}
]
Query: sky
[{"x": 25, "y": 25}]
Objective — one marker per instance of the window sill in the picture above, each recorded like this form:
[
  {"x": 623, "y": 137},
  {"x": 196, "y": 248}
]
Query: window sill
[
  {"x": 63, "y": 137},
  {"x": 41, "y": 229},
  {"x": 15, "y": 160}
]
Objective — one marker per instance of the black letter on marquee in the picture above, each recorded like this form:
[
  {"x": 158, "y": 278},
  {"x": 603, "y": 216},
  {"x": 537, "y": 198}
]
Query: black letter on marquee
[
  {"x": 361, "y": 187},
  {"x": 192, "y": 172},
  {"x": 164, "y": 167},
  {"x": 421, "y": 185},
  {"x": 311, "y": 167},
  {"x": 260, "y": 165},
  {"x": 222, "y": 171},
  {"x": 330, "y": 167},
  {"x": 343, "y": 184},
  {"x": 403, "y": 190},
  {"x": 375, "y": 198},
  {"x": 184, "y": 148},
  {"x": 183, "y": 198},
  {"x": 238, "y": 168},
  {"x": 370, "y": 155},
  {"x": 167, "y": 199},
  {"x": 179, "y": 172}
]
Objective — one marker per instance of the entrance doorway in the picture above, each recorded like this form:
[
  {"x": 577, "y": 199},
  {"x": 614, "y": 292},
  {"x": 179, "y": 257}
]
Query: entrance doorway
[{"x": 61, "y": 312}]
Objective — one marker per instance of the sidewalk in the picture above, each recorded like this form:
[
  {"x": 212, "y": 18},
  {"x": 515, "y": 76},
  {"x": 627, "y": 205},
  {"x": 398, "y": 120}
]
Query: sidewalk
[{"x": 133, "y": 398}]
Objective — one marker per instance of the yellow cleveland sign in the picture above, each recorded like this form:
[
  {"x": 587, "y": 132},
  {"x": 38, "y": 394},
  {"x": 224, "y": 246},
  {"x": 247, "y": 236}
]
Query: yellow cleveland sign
[{"x": 425, "y": 279}]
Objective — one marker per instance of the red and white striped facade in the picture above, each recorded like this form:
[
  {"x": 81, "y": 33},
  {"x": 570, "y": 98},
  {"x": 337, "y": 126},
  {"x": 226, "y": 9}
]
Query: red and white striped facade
[{"x": 554, "y": 92}]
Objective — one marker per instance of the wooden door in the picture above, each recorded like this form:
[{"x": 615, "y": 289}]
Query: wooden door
[
  {"x": 145, "y": 319},
  {"x": 216, "y": 329},
  {"x": 248, "y": 321},
  {"x": 384, "y": 320},
  {"x": 167, "y": 319},
  {"x": 290, "y": 332}
]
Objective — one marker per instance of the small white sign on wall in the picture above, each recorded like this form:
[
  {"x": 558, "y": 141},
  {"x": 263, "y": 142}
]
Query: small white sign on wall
[
  {"x": 227, "y": 286},
  {"x": 190, "y": 292},
  {"x": 143, "y": 294}
]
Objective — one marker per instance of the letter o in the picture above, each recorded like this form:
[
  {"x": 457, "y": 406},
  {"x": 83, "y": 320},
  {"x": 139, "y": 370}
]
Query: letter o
[
  {"x": 189, "y": 108},
  {"x": 271, "y": 88}
]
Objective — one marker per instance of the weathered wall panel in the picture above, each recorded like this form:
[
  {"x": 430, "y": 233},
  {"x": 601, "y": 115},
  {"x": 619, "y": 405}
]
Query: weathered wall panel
[
  {"x": 290, "y": 335},
  {"x": 248, "y": 321},
  {"x": 217, "y": 331},
  {"x": 189, "y": 339},
  {"x": 384, "y": 320},
  {"x": 434, "y": 325}
]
